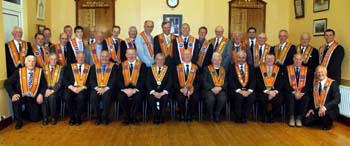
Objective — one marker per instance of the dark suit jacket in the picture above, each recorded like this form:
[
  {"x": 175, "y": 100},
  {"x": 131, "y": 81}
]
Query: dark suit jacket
[
  {"x": 169, "y": 61},
  {"x": 112, "y": 81},
  {"x": 308, "y": 83},
  {"x": 13, "y": 85},
  {"x": 10, "y": 66},
  {"x": 53, "y": 50},
  {"x": 208, "y": 55},
  {"x": 313, "y": 61},
  {"x": 116, "y": 47},
  {"x": 59, "y": 85},
  {"x": 279, "y": 83},
  {"x": 123, "y": 48},
  {"x": 140, "y": 82},
  {"x": 196, "y": 82},
  {"x": 334, "y": 65},
  {"x": 233, "y": 80},
  {"x": 69, "y": 77},
  {"x": 208, "y": 82},
  {"x": 332, "y": 101},
  {"x": 289, "y": 57},
  {"x": 177, "y": 56},
  {"x": 151, "y": 82}
]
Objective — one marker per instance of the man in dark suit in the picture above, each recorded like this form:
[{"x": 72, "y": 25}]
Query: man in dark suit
[
  {"x": 214, "y": 87},
  {"x": 159, "y": 81},
  {"x": 47, "y": 36},
  {"x": 270, "y": 83},
  {"x": 128, "y": 42},
  {"x": 16, "y": 50},
  {"x": 75, "y": 80},
  {"x": 187, "y": 86},
  {"x": 223, "y": 45},
  {"x": 26, "y": 86},
  {"x": 237, "y": 46},
  {"x": 242, "y": 85},
  {"x": 54, "y": 79},
  {"x": 103, "y": 82},
  {"x": 297, "y": 89},
  {"x": 131, "y": 82},
  {"x": 76, "y": 45},
  {"x": 332, "y": 55},
  {"x": 261, "y": 49},
  {"x": 185, "y": 42},
  {"x": 41, "y": 52},
  {"x": 285, "y": 50},
  {"x": 68, "y": 30},
  {"x": 206, "y": 48},
  {"x": 113, "y": 44},
  {"x": 163, "y": 44},
  {"x": 92, "y": 31},
  {"x": 323, "y": 107},
  {"x": 309, "y": 53},
  {"x": 251, "y": 42},
  {"x": 61, "y": 49}
]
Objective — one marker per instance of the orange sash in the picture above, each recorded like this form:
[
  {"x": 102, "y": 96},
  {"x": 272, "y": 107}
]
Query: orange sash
[
  {"x": 319, "y": 100},
  {"x": 149, "y": 47},
  {"x": 269, "y": 81},
  {"x": 191, "y": 76},
  {"x": 39, "y": 59},
  {"x": 115, "y": 56},
  {"x": 129, "y": 43},
  {"x": 256, "y": 54},
  {"x": 281, "y": 56},
  {"x": 75, "y": 46},
  {"x": 94, "y": 53},
  {"x": 159, "y": 77},
  {"x": 218, "y": 79},
  {"x": 221, "y": 46},
  {"x": 181, "y": 45},
  {"x": 163, "y": 45},
  {"x": 293, "y": 79},
  {"x": 102, "y": 78},
  {"x": 61, "y": 57},
  {"x": 52, "y": 78},
  {"x": 18, "y": 59},
  {"x": 234, "y": 52},
  {"x": 80, "y": 79},
  {"x": 24, "y": 84},
  {"x": 131, "y": 79},
  {"x": 203, "y": 52},
  {"x": 327, "y": 57},
  {"x": 240, "y": 76},
  {"x": 306, "y": 54}
]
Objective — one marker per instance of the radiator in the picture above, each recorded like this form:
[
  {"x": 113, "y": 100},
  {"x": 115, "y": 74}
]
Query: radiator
[{"x": 345, "y": 101}]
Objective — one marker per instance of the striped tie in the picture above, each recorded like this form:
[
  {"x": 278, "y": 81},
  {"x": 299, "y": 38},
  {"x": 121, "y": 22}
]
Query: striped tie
[{"x": 30, "y": 82}]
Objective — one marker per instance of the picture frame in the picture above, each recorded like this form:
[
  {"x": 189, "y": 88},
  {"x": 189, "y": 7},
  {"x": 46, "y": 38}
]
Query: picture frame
[
  {"x": 320, "y": 25},
  {"x": 40, "y": 28},
  {"x": 40, "y": 9},
  {"x": 321, "y": 5},
  {"x": 176, "y": 22},
  {"x": 299, "y": 9}
]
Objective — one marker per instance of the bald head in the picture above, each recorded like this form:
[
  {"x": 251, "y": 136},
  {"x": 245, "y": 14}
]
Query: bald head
[
  {"x": 262, "y": 38},
  {"x": 17, "y": 33},
  {"x": 305, "y": 39},
  {"x": 219, "y": 31},
  {"x": 237, "y": 37},
  {"x": 148, "y": 26},
  {"x": 185, "y": 29},
  {"x": 99, "y": 37}
]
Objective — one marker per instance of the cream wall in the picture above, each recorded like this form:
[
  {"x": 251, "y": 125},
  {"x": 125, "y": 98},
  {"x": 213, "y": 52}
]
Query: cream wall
[{"x": 337, "y": 19}]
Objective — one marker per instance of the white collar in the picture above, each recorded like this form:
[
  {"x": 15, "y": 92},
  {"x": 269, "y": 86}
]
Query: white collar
[
  {"x": 16, "y": 42},
  {"x": 324, "y": 81},
  {"x": 254, "y": 39},
  {"x": 262, "y": 46},
  {"x": 283, "y": 44},
  {"x": 330, "y": 44},
  {"x": 237, "y": 45},
  {"x": 78, "y": 40},
  {"x": 189, "y": 64},
  {"x": 133, "y": 63}
]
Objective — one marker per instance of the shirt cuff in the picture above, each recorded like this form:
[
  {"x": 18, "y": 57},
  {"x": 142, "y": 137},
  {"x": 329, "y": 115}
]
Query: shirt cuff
[
  {"x": 107, "y": 88},
  {"x": 251, "y": 90},
  {"x": 165, "y": 92},
  {"x": 238, "y": 90},
  {"x": 150, "y": 93},
  {"x": 265, "y": 91}
]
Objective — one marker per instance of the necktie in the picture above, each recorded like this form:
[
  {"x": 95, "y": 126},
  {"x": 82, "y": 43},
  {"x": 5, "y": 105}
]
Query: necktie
[
  {"x": 269, "y": 71},
  {"x": 325, "y": 52},
  {"x": 103, "y": 68},
  {"x": 42, "y": 54},
  {"x": 186, "y": 42},
  {"x": 242, "y": 72},
  {"x": 302, "y": 50},
  {"x": 81, "y": 46},
  {"x": 260, "y": 52},
  {"x": 216, "y": 44},
  {"x": 51, "y": 72},
  {"x": 167, "y": 42},
  {"x": 30, "y": 82},
  {"x": 116, "y": 43},
  {"x": 91, "y": 41},
  {"x": 297, "y": 75},
  {"x": 252, "y": 46},
  {"x": 159, "y": 70},
  {"x": 64, "y": 50},
  {"x": 19, "y": 47},
  {"x": 217, "y": 71},
  {"x": 319, "y": 89},
  {"x": 131, "y": 68},
  {"x": 237, "y": 49},
  {"x": 133, "y": 43},
  {"x": 187, "y": 71},
  {"x": 79, "y": 68}
]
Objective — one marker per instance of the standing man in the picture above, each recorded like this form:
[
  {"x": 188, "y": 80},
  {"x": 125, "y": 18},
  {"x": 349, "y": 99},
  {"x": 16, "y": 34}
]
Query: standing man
[
  {"x": 92, "y": 31},
  {"x": 16, "y": 50},
  {"x": 214, "y": 87},
  {"x": 69, "y": 31},
  {"x": 163, "y": 44},
  {"x": 144, "y": 44},
  {"x": 261, "y": 49},
  {"x": 223, "y": 46},
  {"x": 61, "y": 49},
  {"x": 113, "y": 44},
  {"x": 185, "y": 42},
  {"x": 26, "y": 86},
  {"x": 47, "y": 36},
  {"x": 131, "y": 82},
  {"x": 239, "y": 46},
  {"x": 103, "y": 83},
  {"x": 285, "y": 50},
  {"x": 309, "y": 53},
  {"x": 77, "y": 45},
  {"x": 40, "y": 51},
  {"x": 242, "y": 85},
  {"x": 206, "y": 48},
  {"x": 96, "y": 48},
  {"x": 332, "y": 55},
  {"x": 250, "y": 42},
  {"x": 130, "y": 41}
]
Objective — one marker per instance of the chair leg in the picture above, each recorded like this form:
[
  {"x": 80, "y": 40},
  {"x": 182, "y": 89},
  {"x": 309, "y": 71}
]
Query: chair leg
[{"x": 118, "y": 108}]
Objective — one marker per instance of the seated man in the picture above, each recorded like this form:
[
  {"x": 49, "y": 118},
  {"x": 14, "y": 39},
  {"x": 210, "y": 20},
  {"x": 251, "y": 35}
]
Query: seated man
[
  {"x": 187, "y": 86},
  {"x": 158, "y": 86},
  {"x": 214, "y": 87},
  {"x": 299, "y": 77},
  {"x": 26, "y": 86},
  {"x": 269, "y": 86},
  {"x": 75, "y": 79},
  {"x": 323, "y": 107},
  {"x": 131, "y": 82},
  {"x": 54, "y": 76},
  {"x": 103, "y": 81},
  {"x": 242, "y": 85}
]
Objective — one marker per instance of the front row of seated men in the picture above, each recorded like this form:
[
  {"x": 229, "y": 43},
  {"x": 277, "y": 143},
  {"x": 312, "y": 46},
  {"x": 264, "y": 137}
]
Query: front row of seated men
[{"x": 310, "y": 102}]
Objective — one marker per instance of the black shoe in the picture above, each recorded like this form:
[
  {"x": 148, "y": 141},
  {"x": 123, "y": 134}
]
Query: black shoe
[
  {"x": 327, "y": 127},
  {"x": 135, "y": 121},
  {"x": 19, "y": 125},
  {"x": 217, "y": 119},
  {"x": 105, "y": 122},
  {"x": 45, "y": 121},
  {"x": 126, "y": 121},
  {"x": 182, "y": 117},
  {"x": 211, "y": 118},
  {"x": 78, "y": 122},
  {"x": 189, "y": 119},
  {"x": 97, "y": 122},
  {"x": 161, "y": 120},
  {"x": 53, "y": 121},
  {"x": 71, "y": 122},
  {"x": 244, "y": 120}
]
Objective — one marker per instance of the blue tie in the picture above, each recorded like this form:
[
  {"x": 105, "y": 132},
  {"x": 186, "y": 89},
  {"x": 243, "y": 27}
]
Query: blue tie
[
  {"x": 103, "y": 68},
  {"x": 30, "y": 82}
]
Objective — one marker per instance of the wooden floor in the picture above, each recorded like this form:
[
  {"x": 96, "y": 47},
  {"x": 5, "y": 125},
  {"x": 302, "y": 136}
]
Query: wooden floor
[{"x": 173, "y": 133}]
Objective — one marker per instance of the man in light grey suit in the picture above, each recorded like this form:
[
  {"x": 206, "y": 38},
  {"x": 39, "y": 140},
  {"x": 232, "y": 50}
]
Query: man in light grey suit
[
  {"x": 222, "y": 45},
  {"x": 238, "y": 46}
]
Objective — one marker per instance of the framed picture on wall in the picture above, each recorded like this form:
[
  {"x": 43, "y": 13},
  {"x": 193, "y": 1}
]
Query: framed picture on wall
[
  {"x": 321, "y": 5},
  {"x": 40, "y": 9},
  {"x": 320, "y": 25},
  {"x": 40, "y": 28},
  {"x": 299, "y": 8},
  {"x": 176, "y": 21}
]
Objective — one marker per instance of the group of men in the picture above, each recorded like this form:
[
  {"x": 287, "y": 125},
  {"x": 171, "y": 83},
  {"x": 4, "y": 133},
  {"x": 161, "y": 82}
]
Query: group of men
[{"x": 187, "y": 70}]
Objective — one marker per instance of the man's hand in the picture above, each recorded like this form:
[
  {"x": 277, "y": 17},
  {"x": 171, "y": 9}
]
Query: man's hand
[
  {"x": 216, "y": 90},
  {"x": 48, "y": 92},
  {"x": 244, "y": 93},
  {"x": 184, "y": 91},
  {"x": 15, "y": 97},
  {"x": 309, "y": 113},
  {"x": 39, "y": 99},
  {"x": 298, "y": 95},
  {"x": 322, "y": 111},
  {"x": 272, "y": 94}
]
